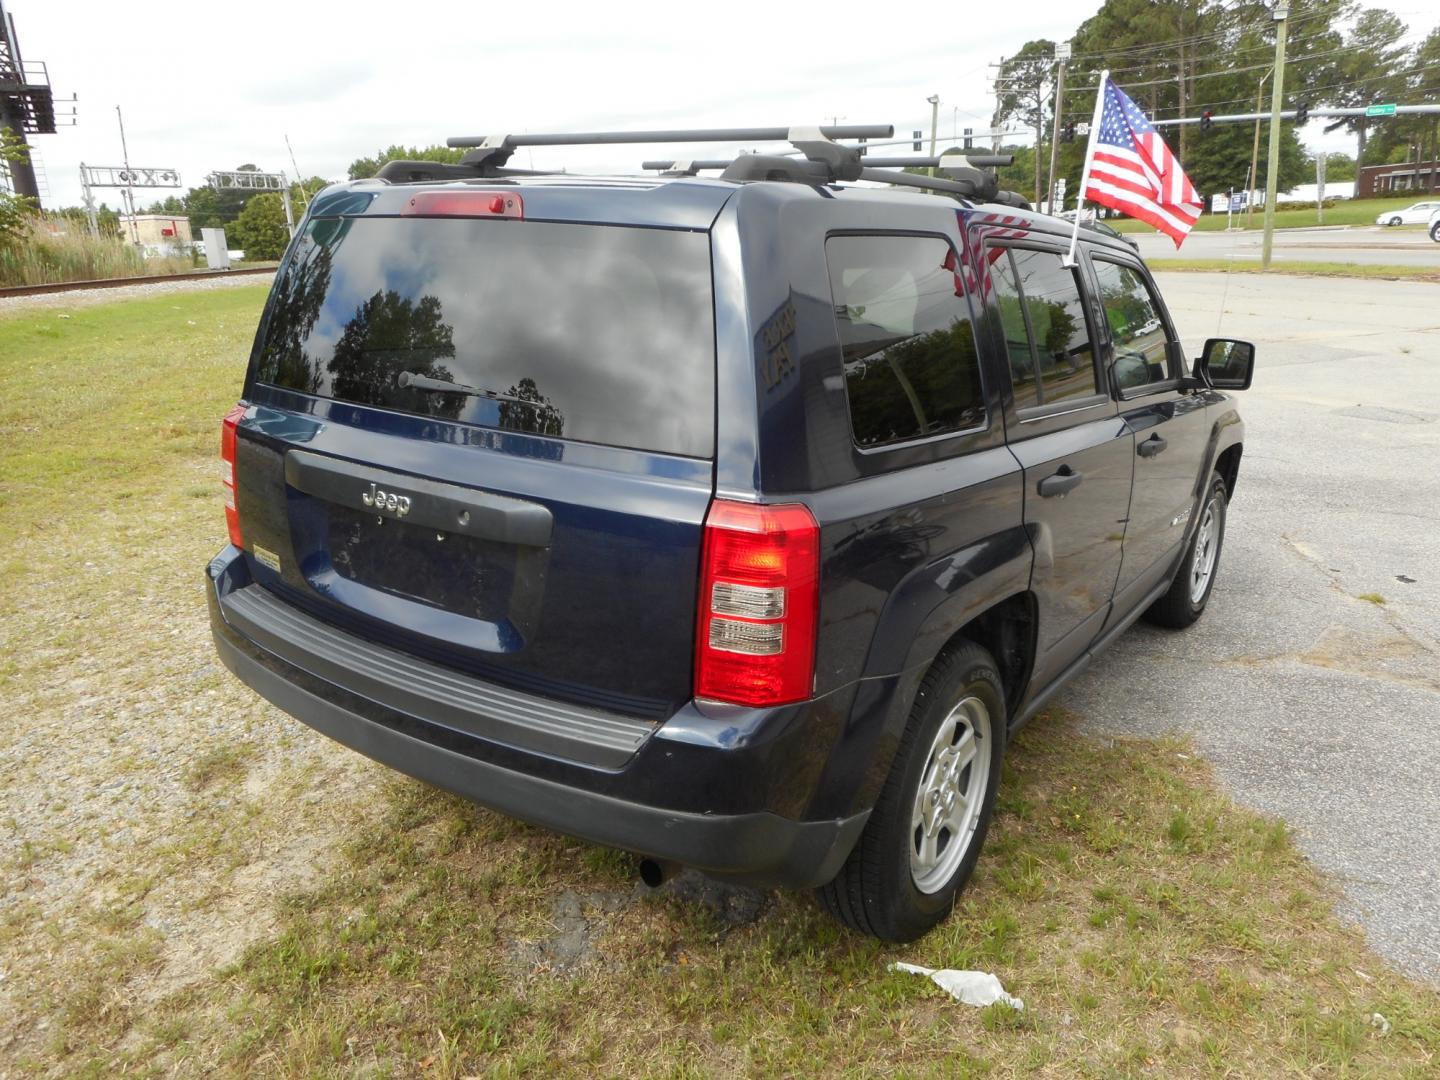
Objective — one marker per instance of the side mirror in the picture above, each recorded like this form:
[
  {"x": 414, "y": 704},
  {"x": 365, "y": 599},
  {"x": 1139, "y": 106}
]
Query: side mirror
[{"x": 1226, "y": 364}]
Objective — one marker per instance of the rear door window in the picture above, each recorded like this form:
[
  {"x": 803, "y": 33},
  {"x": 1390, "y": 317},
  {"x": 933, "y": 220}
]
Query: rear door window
[
  {"x": 1052, "y": 359},
  {"x": 597, "y": 333},
  {"x": 911, "y": 368}
]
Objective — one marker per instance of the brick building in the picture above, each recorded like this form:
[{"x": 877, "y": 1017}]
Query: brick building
[{"x": 1403, "y": 179}]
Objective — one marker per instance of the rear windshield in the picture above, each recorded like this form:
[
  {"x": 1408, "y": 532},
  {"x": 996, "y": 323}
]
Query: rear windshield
[{"x": 597, "y": 333}]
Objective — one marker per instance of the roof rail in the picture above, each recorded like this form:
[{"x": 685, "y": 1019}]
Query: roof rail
[
  {"x": 947, "y": 161},
  {"x": 776, "y": 167},
  {"x": 969, "y": 187},
  {"x": 399, "y": 171},
  {"x": 959, "y": 179},
  {"x": 943, "y": 161}
]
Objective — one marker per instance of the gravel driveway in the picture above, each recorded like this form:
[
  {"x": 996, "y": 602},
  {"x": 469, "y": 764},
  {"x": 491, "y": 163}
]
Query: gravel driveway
[{"x": 1314, "y": 703}]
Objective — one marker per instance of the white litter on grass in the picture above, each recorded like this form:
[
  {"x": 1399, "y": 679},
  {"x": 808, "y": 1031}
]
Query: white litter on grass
[
  {"x": 1378, "y": 1021},
  {"x": 971, "y": 987}
]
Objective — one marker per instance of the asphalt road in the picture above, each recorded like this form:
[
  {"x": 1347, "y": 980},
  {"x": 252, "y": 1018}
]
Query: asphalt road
[
  {"x": 1368, "y": 244},
  {"x": 1313, "y": 704}
]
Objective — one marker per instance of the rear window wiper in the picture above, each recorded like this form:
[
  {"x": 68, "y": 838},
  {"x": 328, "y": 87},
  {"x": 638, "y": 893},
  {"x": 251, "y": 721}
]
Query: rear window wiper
[{"x": 408, "y": 379}]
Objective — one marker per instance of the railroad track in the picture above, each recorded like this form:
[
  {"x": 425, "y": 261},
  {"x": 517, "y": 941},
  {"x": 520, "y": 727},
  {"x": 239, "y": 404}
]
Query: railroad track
[{"x": 115, "y": 283}]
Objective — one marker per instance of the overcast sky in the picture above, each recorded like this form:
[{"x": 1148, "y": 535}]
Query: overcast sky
[{"x": 209, "y": 84}]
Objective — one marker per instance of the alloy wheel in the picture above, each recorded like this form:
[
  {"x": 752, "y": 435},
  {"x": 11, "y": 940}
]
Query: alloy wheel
[
  {"x": 1207, "y": 546},
  {"x": 950, "y": 795}
]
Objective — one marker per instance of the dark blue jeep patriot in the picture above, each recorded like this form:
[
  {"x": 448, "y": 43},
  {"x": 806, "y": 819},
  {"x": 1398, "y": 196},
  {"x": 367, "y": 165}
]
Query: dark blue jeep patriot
[{"x": 734, "y": 524}]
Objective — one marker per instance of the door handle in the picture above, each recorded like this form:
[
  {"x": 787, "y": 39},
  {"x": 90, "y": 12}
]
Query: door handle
[
  {"x": 1151, "y": 446},
  {"x": 1065, "y": 480}
]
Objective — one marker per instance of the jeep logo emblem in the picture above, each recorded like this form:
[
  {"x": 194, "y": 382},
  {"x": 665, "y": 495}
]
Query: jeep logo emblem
[{"x": 399, "y": 505}]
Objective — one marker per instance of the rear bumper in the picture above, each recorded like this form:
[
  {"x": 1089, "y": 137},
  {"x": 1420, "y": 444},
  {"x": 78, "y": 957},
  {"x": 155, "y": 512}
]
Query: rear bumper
[{"x": 739, "y": 756}]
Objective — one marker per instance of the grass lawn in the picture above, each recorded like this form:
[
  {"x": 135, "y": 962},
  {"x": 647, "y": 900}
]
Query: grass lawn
[
  {"x": 1308, "y": 267},
  {"x": 1345, "y": 212},
  {"x": 1151, "y": 926}
]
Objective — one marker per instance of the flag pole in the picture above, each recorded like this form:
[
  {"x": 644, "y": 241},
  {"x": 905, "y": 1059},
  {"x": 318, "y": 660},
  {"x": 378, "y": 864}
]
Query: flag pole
[{"x": 1089, "y": 156}]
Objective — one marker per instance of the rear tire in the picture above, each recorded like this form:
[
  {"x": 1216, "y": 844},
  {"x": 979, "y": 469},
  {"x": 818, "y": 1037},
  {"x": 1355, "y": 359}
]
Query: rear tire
[
  {"x": 1195, "y": 578},
  {"x": 925, "y": 834},
  {"x": 1435, "y": 232}
]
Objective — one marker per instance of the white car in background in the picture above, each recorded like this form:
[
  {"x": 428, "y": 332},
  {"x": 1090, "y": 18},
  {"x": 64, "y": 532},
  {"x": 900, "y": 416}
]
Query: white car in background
[{"x": 1416, "y": 214}]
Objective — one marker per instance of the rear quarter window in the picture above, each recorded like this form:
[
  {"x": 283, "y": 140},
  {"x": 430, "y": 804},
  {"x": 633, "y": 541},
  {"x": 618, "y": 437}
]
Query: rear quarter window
[
  {"x": 907, "y": 343},
  {"x": 597, "y": 333}
]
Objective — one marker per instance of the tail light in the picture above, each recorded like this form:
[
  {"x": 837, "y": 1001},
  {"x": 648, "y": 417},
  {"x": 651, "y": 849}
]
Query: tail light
[
  {"x": 759, "y": 601},
  {"x": 227, "y": 471}
]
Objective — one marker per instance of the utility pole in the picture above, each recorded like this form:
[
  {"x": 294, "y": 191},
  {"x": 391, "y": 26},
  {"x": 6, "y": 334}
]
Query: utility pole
[
  {"x": 1272, "y": 167},
  {"x": 1062, "y": 54},
  {"x": 934, "y": 100},
  {"x": 299, "y": 179},
  {"x": 129, "y": 190},
  {"x": 1255, "y": 154},
  {"x": 995, "y": 126}
]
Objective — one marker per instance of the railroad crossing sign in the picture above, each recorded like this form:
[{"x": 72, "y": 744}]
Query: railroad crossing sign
[
  {"x": 118, "y": 176},
  {"x": 251, "y": 180}
]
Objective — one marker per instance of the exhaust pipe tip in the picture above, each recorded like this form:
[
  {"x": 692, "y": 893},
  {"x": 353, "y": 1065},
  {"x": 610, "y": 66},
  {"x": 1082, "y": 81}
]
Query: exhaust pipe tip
[{"x": 655, "y": 872}]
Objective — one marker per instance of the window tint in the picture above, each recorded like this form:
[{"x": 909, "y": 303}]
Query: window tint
[
  {"x": 1046, "y": 336},
  {"x": 1135, "y": 326},
  {"x": 911, "y": 369},
  {"x": 596, "y": 333}
]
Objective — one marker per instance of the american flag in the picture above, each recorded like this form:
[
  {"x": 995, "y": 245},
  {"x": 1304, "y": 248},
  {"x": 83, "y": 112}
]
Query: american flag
[{"x": 1133, "y": 171}]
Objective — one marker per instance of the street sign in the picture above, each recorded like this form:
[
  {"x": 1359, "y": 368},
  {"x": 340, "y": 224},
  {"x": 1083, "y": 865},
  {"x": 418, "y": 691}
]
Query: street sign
[
  {"x": 1082, "y": 129},
  {"x": 1380, "y": 110},
  {"x": 917, "y": 135}
]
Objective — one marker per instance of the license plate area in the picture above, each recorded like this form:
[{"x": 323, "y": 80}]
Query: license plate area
[{"x": 461, "y": 574}]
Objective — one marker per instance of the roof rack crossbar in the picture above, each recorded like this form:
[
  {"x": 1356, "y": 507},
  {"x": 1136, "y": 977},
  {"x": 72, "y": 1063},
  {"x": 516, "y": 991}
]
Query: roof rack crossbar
[{"x": 680, "y": 135}]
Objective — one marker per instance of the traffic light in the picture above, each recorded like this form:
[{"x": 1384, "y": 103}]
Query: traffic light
[
  {"x": 1302, "y": 113},
  {"x": 917, "y": 136},
  {"x": 1067, "y": 134},
  {"x": 1207, "y": 119},
  {"x": 861, "y": 148}
]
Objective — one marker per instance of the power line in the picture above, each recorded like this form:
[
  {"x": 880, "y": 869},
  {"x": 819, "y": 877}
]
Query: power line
[
  {"x": 1193, "y": 39},
  {"x": 1306, "y": 90},
  {"x": 1400, "y": 43},
  {"x": 1117, "y": 74},
  {"x": 1167, "y": 59},
  {"x": 1310, "y": 91}
]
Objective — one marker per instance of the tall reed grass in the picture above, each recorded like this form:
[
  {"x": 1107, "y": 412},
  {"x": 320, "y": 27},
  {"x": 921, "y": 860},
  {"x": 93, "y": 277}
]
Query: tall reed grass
[{"x": 36, "y": 257}]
